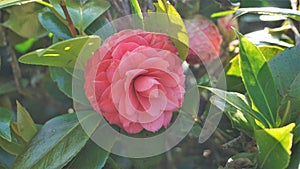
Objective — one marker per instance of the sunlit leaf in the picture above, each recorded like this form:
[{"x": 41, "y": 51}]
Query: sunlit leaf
[
  {"x": 7, "y": 3},
  {"x": 62, "y": 54},
  {"x": 274, "y": 146},
  {"x": 167, "y": 20},
  {"x": 25, "y": 46},
  {"x": 258, "y": 80}
]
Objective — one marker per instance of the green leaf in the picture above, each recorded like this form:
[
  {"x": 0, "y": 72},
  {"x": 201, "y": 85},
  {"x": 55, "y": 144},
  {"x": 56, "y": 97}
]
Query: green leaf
[
  {"x": 25, "y": 125},
  {"x": 293, "y": 14},
  {"x": 66, "y": 81},
  {"x": 167, "y": 20},
  {"x": 136, "y": 8},
  {"x": 101, "y": 27},
  {"x": 7, "y": 3},
  {"x": 297, "y": 131},
  {"x": 274, "y": 146},
  {"x": 16, "y": 146},
  {"x": 285, "y": 67},
  {"x": 239, "y": 102},
  {"x": 62, "y": 54},
  {"x": 91, "y": 157},
  {"x": 6, "y": 159},
  {"x": 5, "y": 118},
  {"x": 63, "y": 80},
  {"x": 240, "y": 121},
  {"x": 50, "y": 22},
  {"x": 258, "y": 80},
  {"x": 268, "y": 51},
  {"x": 82, "y": 12},
  {"x": 60, "y": 139},
  {"x": 23, "y": 20},
  {"x": 25, "y": 46},
  {"x": 295, "y": 162}
]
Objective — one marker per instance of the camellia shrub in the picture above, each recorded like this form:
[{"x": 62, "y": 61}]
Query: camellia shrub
[{"x": 144, "y": 84}]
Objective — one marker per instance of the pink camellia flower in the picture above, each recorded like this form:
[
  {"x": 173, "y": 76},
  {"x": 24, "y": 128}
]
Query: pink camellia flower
[
  {"x": 205, "y": 40},
  {"x": 135, "y": 80}
]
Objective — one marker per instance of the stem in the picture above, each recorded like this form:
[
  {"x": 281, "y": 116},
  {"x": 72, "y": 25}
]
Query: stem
[
  {"x": 286, "y": 113},
  {"x": 68, "y": 18}
]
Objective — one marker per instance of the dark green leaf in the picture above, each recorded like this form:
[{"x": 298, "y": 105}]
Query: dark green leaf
[
  {"x": 285, "y": 67},
  {"x": 6, "y": 159},
  {"x": 83, "y": 13},
  {"x": 294, "y": 14},
  {"x": 91, "y": 157},
  {"x": 56, "y": 143},
  {"x": 167, "y": 20},
  {"x": 25, "y": 125},
  {"x": 295, "y": 158},
  {"x": 62, "y": 54},
  {"x": 5, "y": 118},
  {"x": 100, "y": 27},
  {"x": 50, "y": 22},
  {"x": 274, "y": 146},
  {"x": 147, "y": 163},
  {"x": 63, "y": 80},
  {"x": 297, "y": 131},
  {"x": 239, "y": 102},
  {"x": 23, "y": 20},
  {"x": 258, "y": 80},
  {"x": 7, "y": 3}
]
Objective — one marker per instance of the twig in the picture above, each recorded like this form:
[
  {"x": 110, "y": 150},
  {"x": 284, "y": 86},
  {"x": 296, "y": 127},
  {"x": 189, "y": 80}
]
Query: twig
[
  {"x": 231, "y": 143},
  {"x": 68, "y": 18}
]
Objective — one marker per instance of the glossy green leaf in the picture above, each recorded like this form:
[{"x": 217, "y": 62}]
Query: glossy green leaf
[
  {"x": 7, "y": 3},
  {"x": 91, "y": 157},
  {"x": 63, "y": 80},
  {"x": 167, "y": 20},
  {"x": 293, "y": 14},
  {"x": 274, "y": 146},
  {"x": 6, "y": 159},
  {"x": 285, "y": 67},
  {"x": 23, "y": 20},
  {"x": 62, "y": 54},
  {"x": 238, "y": 119},
  {"x": 136, "y": 8},
  {"x": 297, "y": 131},
  {"x": 101, "y": 27},
  {"x": 82, "y": 12},
  {"x": 60, "y": 139},
  {"x": 258, "y": 80},
  {"x": 5, "y": 118},
  {"x": 15, "y": 146},
  {"x": 295, "y": 158},
  {"x": 50, "y": 22},
  {"x": 268, "y": 51},
  {"x": 25, "y": 125},
  {"x": 239, "y": 102}
]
